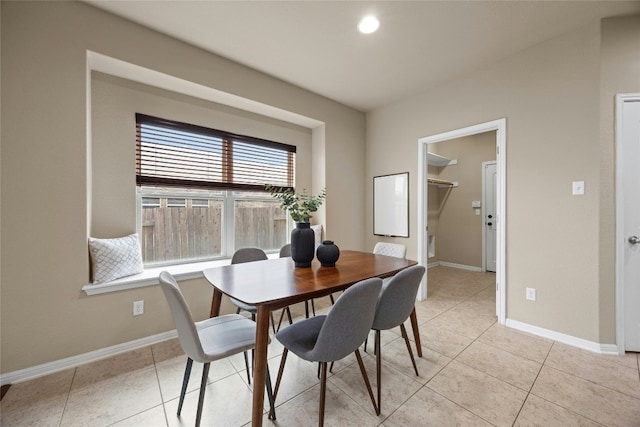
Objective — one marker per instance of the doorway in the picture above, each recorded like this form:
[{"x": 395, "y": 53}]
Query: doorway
[
  {"x": 499, "y": 126},
  {"x": 628, "y": 222}
]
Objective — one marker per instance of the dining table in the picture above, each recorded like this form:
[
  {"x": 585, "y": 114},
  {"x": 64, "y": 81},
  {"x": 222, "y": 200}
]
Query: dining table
[{"x": 276, "y": 283}]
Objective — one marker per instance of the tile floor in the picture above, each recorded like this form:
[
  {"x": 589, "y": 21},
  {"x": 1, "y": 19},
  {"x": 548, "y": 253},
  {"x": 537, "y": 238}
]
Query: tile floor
[{"x": 473, "y": 372}]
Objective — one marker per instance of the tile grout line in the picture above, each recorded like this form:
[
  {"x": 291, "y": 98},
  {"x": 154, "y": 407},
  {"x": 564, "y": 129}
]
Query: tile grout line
[
  {"x": 66, "y": 401},
  {"x": 533, "y": 383},
  {"x": 555, "y": 403},
  {"x": 590, "y": 380},
  {"x": 155, "y": 367}
]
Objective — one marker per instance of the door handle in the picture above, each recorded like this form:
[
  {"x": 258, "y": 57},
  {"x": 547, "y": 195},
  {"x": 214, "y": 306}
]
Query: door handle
[
  {"x": 490, "y": 224},
  {"x": 634, "y": 240}
]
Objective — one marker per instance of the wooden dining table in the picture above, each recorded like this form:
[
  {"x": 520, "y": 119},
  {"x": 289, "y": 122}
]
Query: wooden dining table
[{"x": 276, "y": 283}]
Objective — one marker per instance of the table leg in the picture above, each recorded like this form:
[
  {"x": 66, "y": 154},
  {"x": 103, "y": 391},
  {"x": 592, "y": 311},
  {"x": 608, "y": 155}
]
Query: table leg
[
  {"x": 260, "y": 364},
  {"x": 215, "y": 303},
  {"x": 416, "y": 332}
]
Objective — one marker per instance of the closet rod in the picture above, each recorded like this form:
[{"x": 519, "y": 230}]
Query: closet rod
[{"x": 439, "y": 182}]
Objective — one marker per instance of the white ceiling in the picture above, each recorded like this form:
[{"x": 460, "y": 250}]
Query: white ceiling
[{"x": 316, "y": 45}]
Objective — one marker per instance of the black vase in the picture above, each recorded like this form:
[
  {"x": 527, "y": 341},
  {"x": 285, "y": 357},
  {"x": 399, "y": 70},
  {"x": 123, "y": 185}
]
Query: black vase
[
  {"x": 303, "y": 244},
  {"x": 328, "y": 253}
]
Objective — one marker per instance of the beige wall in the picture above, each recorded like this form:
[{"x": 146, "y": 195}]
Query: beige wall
[
  {"x": 46, "y": 174},
  {"x": 550, "y": 95},
  {"x": 456, "y": 227}
]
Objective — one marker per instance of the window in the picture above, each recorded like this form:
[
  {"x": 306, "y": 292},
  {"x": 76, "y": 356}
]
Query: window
[
  {"x": 201, "y": 191},
  {"x": 176, "y": 203}
]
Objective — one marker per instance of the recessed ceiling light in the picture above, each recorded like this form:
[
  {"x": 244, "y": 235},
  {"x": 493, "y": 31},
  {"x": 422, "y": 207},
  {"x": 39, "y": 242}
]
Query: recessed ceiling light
[{"x": 368, "y": 25}]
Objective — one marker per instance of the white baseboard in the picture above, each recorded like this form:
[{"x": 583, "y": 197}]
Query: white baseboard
[
  {"x": 460, "y": 266},
  {"x": 433, "y": 264},
  {"x": 609, "y": 349},
  {"x": 81, "y": 359}
]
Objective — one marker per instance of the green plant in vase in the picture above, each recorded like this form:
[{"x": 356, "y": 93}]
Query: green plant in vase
[{"x": 300, "y": 206}]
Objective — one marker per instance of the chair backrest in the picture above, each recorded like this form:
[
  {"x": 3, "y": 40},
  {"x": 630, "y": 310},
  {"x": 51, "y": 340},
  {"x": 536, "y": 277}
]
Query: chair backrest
[
  {"x": 398, "y": 298},
  {"x": 349, "y": 321},
  {"x": 390, "y": 249},
  {"x": 285, "y": 251},
  {"x": 248, "y": 255},
  {"x": 187, "y": 332}
]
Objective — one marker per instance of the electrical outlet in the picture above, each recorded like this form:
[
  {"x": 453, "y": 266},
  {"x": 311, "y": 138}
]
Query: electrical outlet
[
  {"x": 138, "y": 308},
  {"x": 531, "y": 294}
]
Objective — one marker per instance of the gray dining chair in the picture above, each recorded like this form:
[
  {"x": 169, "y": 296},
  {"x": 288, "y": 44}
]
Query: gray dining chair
[
  {"x": 285, "y": 251},
  {"x": 395, "y": 304},
  {"x": 209, "y": 340},
  {"x": 396, "y": 250},
  {"x": 331, "y": 337},
  {"x": 249, "y": 255}
]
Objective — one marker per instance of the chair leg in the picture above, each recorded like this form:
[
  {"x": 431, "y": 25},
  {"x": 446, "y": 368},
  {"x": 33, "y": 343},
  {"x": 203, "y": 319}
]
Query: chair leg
[
  {"x": 282, "y": 313},
  {"x": 313, "y": 308},
  {"x": 273, "y": 323},
  {"x": 323, "y": 392},
  {"x": 280, "y": 321},
  {"x": 416, "y": 332},
  {"x": 272, "y": 402},
  {"x": 331, "y": 298},
  {"x": 306, "y": 309},
  {"x": 185, "y": 382},
  {"x": 366, "y": 381},
  {"x": 280, "y": 370},
  {"x": 246, "y": 364},
  {"x": 203, "y": 387},
  {"x": 378, "y": 370},
  {"x": 406, "y": 341},
  {"x": 366, "y": 340}
]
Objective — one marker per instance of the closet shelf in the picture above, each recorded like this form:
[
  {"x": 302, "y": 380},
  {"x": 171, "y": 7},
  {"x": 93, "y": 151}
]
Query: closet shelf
[
  {"x": 439, "y": 161},
  {"x": 440, "y": 183}
]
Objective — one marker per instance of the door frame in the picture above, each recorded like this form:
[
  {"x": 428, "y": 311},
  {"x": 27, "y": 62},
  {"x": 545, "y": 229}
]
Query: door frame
[
  {"x": 620, "y": 232},
  {"x": 484, "y": 213},
  {"x": 500, "y": 127}
]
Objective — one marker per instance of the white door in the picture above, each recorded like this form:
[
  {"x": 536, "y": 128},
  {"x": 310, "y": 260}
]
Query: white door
[
  {"x": 628, "y": 173},
  {"x": 489, "y": 183}
]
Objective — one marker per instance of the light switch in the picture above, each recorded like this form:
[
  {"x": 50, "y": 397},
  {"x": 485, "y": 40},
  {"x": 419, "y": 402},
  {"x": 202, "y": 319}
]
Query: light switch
[
  {"x": 477, "y": 212},
  {"x": 578, "y": 188}
]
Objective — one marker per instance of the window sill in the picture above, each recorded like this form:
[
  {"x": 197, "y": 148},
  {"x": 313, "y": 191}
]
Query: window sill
[{"x": 150, "y": 276}]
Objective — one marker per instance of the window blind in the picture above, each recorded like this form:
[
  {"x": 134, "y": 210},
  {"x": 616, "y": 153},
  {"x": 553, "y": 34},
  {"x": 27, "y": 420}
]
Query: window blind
[{"x": 170, "y": 153}]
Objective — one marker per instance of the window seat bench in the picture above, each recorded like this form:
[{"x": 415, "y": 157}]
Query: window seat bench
[{"x": 149, "y": 277}]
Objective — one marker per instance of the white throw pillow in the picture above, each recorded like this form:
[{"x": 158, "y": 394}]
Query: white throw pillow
[{"x": 115, "y": 258}]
